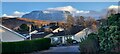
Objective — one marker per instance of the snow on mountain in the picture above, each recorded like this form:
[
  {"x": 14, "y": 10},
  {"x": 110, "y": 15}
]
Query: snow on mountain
[{"x": 51, "y": 15}]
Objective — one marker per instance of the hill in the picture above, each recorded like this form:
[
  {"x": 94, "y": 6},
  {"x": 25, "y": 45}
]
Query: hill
[{"x": 14, "y": 23}]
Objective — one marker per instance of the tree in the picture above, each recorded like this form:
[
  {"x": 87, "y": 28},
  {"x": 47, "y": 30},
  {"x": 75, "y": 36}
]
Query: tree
[
  {"x": 109, "y": 33},
  {"x": 33, "y": 27},
  {"x": 70, "y": 21},
  {"x": 88, "y": 22},
  {"x": 80, "y": 21},
  {"x": 94, "y": 26},
  {"x": 69, "y": 24},
  {"x": 69, "y": 41},
  {"x": 24, "y": 27},
  {"x": 111, "y": 12}
]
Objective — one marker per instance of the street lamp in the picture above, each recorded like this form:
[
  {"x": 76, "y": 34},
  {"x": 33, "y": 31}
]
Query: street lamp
[{"x": 30, "y": 31}]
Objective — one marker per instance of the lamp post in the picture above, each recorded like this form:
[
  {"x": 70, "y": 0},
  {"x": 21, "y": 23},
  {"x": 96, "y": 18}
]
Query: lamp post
[{"x": 30, "y": 31}]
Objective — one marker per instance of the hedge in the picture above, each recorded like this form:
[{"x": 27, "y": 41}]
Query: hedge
[{"x": 26, "y": 46}]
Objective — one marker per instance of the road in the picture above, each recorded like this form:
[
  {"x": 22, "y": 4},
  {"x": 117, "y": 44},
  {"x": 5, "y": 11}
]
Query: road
[{"x": 60, "y": 50}]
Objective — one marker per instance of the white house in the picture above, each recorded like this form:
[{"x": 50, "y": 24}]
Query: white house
[
  {"x": 82, "y": 34},
  {"x": 60, "y": 37},
  {"x": 8, "y": 35}
]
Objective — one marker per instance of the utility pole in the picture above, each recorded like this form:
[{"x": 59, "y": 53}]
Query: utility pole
[{"x": 30, "y": 31}]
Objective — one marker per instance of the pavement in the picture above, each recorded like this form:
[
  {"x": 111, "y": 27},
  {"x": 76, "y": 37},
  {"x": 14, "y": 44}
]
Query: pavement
[{"x": 60, "y": 50}]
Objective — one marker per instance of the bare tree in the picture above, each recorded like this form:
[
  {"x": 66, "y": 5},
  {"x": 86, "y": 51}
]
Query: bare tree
[
  {"x": 70, "y": 21},
  {"x": 110, "y": 12},
  {"x": 88, "y": 22},
  {"x": 80, "y": 21}
]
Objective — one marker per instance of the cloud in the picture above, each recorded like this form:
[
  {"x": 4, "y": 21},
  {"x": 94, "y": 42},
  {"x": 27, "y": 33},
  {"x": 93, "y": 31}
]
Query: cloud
[
  {"x": 77, "y": 12},
  {"x": 91, "y": 13},
  {"x": 113, "y": 7},
  {"x": 82, "y": 11},
  {"x": 101, "y": 13},
  {"x": 65, "y": 8},
  {"x": 68, "y": 8},
  {"x": 15, "y": 14},
  {"x": 4, "y": 15}
]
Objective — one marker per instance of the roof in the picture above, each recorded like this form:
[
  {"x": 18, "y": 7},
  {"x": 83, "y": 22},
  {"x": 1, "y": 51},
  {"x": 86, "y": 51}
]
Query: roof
[
  {"x": 61, "y": 33},
  {"x": 73, "y": 31},
  {"x": 82, "y": 34},
  {"x": 42, "y": 35},
  {"x": 12, "y": 31},
  {"x": 57, "y": 30},
  {"x": 49, "y": 35}
]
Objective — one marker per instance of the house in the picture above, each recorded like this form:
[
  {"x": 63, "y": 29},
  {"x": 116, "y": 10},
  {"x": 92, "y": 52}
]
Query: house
[
  {"x": 43, "y": 33},
  {"x": 82, "y": 34},
  {"x": 39, "y": 35},
  {"x": 76, "y": 35},
  {"x": 8, "y": 35},
  {"x": 60, "y": 35}
]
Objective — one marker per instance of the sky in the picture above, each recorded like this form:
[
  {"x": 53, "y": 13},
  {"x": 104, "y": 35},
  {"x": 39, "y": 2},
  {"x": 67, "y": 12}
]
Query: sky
[
  {"x": 10, "y": 8},
  {"x": 60, "y": 0}
]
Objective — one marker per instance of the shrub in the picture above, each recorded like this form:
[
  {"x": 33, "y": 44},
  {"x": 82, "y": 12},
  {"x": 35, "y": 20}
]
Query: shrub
[
  {"x": 69, "y": 41},
  {"x": 26, "y": 46},
  {"x": 90, "y": 44}
]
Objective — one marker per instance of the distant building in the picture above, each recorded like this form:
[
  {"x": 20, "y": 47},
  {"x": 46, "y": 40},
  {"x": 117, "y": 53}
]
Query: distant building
[{"x": 8, "y": 35}]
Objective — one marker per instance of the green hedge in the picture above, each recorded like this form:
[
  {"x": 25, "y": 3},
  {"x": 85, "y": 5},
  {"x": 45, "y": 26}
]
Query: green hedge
[{"x": 26, "y": 46}]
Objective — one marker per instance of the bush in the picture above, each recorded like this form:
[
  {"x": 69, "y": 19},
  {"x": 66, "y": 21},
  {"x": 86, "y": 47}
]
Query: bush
[
  {"x": 90, "y": 44},
  {"x": 26, "y": 46},
  {"x": 69, "y": 41}
]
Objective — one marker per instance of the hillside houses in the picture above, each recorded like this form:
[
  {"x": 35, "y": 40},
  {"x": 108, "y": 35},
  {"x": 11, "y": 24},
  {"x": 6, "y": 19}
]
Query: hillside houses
[{"x": 54, "y": 32}]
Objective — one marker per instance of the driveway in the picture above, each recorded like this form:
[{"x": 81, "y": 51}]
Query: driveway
[{"x": 61, "y": 50}]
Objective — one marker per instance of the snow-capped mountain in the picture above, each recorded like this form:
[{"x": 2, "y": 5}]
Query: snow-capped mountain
[
  {"x": 54, "y": 14},
  {"x": 60, "y": 13},
  {"x": 51, "y": 15}
]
